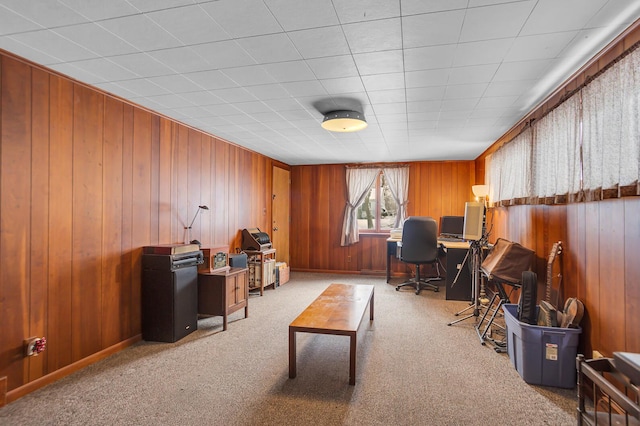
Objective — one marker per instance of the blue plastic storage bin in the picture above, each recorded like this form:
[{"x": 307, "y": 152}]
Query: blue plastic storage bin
[{"x": 541, "y": 355}]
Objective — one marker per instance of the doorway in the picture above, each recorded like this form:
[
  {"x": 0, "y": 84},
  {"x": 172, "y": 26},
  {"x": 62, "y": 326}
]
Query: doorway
[{"x": 280, "y": 204}]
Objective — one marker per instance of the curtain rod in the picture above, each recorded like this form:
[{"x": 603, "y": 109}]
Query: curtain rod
[{"x": 376, "y": 166}]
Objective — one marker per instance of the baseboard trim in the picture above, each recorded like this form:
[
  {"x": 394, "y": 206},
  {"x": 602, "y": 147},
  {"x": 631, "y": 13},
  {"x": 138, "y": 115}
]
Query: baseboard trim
[{"x": 27, "y": 388}]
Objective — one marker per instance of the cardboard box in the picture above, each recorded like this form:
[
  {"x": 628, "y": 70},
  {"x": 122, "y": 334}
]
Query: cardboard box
[{"x": 282, "y": 273}]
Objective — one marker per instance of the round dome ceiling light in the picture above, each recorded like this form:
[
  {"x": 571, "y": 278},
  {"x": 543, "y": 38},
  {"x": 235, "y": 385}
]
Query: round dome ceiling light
[{"x": 344, "y": 121}]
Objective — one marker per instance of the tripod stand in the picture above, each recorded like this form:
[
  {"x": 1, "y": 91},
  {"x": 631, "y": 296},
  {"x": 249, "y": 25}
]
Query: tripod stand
[{"x": 475, "y": 250}]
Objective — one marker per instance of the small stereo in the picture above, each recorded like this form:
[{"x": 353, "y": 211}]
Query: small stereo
[{"x": 216, "y": 259}]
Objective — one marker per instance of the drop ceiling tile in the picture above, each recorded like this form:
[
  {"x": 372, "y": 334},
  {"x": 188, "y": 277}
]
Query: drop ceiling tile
[
  {"x": 181, "y": 59},
  {"x": 252, "y": 107},
  {"x": 45, "y": 12},
  {"x": 26, "y": 51},
  {"x": 296, "y": 115},
  {"x": 542, "y": 46},
  {"x": 243, "y": 18},
  {"x": 142, "y": 87},
  {"x": 232, "y": 95},
  {"x": 239, "y": 119},
  {"x": 476, "y": 3},
  {"x": 189, "y": 24},
  {"x": 105, "y": 69},
  {"x": 459, "y": 104},
  {"x": 387, "y": 96},
  {"x": 211, "y": 80},
  {"x": 460, "y": 91},
  {"x": 496, "y": 101},
  {"x": 431, "y": 93},
  {"x": 285, "y": 72},
  {"x": 267, "y": 117},
  {"x": 71, "y": 70},
  {"x": 414, "y": 7},
  {"x": 268, "y": 91},
  {"x": 482, "y": 52},
  {"x": 336, "y": 86},
  {"x": 509, "y": 88},
  {"x": 115, "y": 89},
  {"x": 522, "y": 70},
  {"x": 423, "y": 120},
  {"x": 366, "y": 10},
  {"x": 550, "y": 16},
  {"x": 54, "y": 45},
  {"x": 280, "y": 105},
  {"x": 251, "y": 75},
  {"x": 432, "y": 29},
  {"x": 270, "y": 48},
  {"x": 223, "y": 54},
  {"x": 423, "y": 106},
  {"x": 317, "y": 13},
  {"x": 304, "y": 88},
  {"x": 175, "y": 83},
  {"x": 202, "y": 98},
  {"x": 96, "y": 39},
  {"x": 473, "y": 74},
  {"x": 333, "y": 67},
  {"x": 141, "y": 32},
  {"x": 385, "y": 34},
  {"x": 611, "y": 12},
  {"x": 149, "y": 5},
  {"x": 222, "y": 110},
  {"x": 485, "y": 23},
  {"x": 379, "y": 62},
  {"x": 424, "y": 58},
  {"x": 12, "y": 22},
  {"x": 99, "y": 10},
  {"x": 436, "y": 77},
  {"x": 141, "y": 64},
  {"x": 384, "y": 81},
  {"x": 193, "y": 111},
  {"x": 320, "y": 42}
]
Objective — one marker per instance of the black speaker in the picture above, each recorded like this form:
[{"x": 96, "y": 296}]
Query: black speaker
[
  {"x": 169, "y": 303},
  {"x": 238, "y": 260},
  {"x": 461, "y": 290}
]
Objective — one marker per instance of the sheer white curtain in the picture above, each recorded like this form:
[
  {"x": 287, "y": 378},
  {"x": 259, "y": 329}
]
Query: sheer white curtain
[
  {"x": 556, "y": 151},
  {"x": 611, "y": 136},
  {"x": 508, "y": 173},
  {"x": 398, "y": 182},
  {"x": 359, "y": 182}
]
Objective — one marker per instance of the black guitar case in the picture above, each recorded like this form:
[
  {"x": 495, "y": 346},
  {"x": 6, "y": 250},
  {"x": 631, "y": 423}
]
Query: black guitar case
[{"x": 528, "y": 298}]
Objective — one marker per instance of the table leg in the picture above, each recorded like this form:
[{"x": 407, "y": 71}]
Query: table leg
[
  {"x": 352, "y": 358},
  {"x": 371, "y": 305},
  {"x": 292, "y": 353}
]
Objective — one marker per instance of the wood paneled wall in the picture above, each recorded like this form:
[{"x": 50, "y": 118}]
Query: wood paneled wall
[
  {"x": 86, "y": 180},
  {"x": 601, "y": 242},
  {"x": 318, "y": 200}
]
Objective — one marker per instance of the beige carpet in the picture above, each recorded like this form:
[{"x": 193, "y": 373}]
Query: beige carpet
[{"x": 412, "y": 369}]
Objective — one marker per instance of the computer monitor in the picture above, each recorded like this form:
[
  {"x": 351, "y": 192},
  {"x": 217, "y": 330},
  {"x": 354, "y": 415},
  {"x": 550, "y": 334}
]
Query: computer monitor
[
  {"x": 452, "y": 226},
  {"x": 473, "y": 221}
]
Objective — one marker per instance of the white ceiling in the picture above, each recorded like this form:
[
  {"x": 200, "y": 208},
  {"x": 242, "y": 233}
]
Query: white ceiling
[{"x": 436, "y": 79}]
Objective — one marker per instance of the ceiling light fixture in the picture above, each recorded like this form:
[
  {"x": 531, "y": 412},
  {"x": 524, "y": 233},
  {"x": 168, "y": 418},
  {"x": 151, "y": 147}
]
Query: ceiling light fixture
[{"x": 344, "y": 121}]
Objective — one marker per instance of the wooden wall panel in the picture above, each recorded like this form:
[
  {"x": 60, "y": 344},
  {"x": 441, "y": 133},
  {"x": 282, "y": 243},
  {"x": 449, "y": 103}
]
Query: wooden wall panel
[
  {"x": 631, "y": 274},
  {"x": 59, "y": 292},
  {"x": 39, "y": 213},
  {"x": 15, "y": 199},
  {"x": 318, "y": 199},
  {"x": 86, "y": 180},
  {"x": 113, "y": 296},
  {"x": 87, "y": 222}
]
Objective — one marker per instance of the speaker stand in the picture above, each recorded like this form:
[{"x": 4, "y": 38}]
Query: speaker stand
[{"x": 475, "y": 248}]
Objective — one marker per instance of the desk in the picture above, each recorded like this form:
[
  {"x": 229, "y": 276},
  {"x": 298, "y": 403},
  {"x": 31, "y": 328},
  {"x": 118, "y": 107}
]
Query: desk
[
  {"x": 392, "y": 249},
  {"x": 338, "y": 310}
]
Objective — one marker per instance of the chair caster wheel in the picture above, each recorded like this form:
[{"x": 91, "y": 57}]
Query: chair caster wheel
[{"x": 397, "y": 289}]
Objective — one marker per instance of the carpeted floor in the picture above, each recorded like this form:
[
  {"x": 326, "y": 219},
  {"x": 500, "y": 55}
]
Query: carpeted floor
[{"x": 412, "y": 369}]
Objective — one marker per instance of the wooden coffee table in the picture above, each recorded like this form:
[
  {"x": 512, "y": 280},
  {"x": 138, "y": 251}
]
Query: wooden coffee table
[{"x": 338, "y": 310}]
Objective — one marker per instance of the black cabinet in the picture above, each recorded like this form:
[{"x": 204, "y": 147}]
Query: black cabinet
[{"x": 169, "y": 302}]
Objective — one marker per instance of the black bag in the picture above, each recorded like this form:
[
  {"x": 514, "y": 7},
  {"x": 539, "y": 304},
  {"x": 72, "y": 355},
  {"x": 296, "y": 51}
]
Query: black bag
[{"x": 528, "y": 298}]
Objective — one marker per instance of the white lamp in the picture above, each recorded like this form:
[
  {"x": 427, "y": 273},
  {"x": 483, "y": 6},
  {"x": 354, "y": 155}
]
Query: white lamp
[{"x": 481, "y": 192}]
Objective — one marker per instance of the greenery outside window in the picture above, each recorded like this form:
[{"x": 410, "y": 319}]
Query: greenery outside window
[{"x": 379, "y": 210}]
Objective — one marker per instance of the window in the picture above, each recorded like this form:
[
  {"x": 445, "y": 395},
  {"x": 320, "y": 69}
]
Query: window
[{"x": 379, "y": 210}]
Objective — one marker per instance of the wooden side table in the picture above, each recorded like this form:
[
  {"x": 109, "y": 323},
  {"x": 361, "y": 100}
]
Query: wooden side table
[{"x": 223, "y": 293}]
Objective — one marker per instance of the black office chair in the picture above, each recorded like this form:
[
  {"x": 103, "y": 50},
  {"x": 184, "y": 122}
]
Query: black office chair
[{"x": 420, "y": 247}]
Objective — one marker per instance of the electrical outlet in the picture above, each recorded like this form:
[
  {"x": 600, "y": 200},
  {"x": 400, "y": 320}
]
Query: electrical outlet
[
  {"x": 348, "y": 258},
  {"x": 29, "y": 345},
  {"x": 597, "y": 354}
]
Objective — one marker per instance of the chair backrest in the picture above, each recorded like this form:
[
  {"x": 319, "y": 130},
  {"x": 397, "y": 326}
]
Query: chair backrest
[{"x": 419, "y": 240}]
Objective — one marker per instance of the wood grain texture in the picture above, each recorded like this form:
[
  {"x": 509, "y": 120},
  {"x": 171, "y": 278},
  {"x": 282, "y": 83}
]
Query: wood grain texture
[{"x": 86, "y": 180}]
